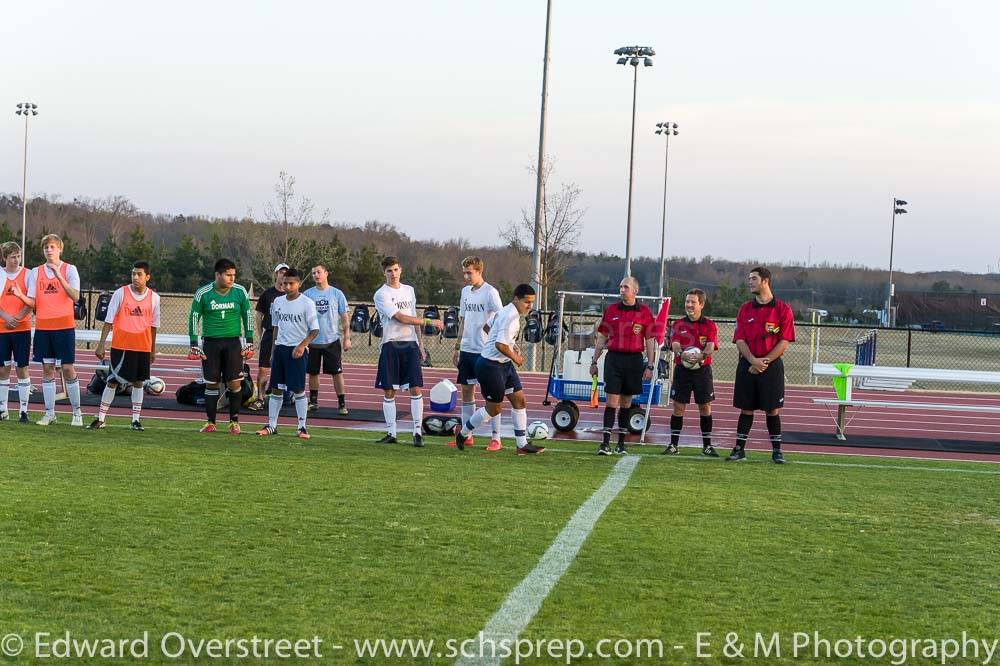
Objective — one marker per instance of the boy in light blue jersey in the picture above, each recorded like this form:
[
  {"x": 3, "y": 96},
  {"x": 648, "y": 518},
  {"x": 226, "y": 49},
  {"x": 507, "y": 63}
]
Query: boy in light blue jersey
[{"x": 326, "y": 351}]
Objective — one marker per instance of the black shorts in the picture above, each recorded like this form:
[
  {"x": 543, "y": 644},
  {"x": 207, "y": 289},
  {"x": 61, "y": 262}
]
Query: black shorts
[
  {"x": 496, "y": 379},
  {"x": 327, "y": 358},
  {"x": 266, "y": 345},
  {"x": 224, "y": 360},
  {"x": 467, "y": 368},
  {"x": 129, "y": 367},
  {"x": 289, "y": 373},
  {"x": 688, "y": 381},
  {"x": 623, "y": 373},
  {"x": 764, "y": 391},
  {"x": 399, "y": 366}
]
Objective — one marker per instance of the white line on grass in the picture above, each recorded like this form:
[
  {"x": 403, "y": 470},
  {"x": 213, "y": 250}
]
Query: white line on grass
[
  {"x": 321, "y": 434},
  {"x": 524, "y": 601}
]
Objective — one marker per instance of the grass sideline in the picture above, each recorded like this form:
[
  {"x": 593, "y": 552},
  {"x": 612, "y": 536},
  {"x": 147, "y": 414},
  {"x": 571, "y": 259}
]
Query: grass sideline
[{"x": 111, "y": 533}]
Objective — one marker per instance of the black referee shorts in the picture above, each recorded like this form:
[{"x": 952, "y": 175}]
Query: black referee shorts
[
  {"x": 688, "y": 381},
  {"x": 765, "y": 391},
  {"x": 623, "y": 373}
]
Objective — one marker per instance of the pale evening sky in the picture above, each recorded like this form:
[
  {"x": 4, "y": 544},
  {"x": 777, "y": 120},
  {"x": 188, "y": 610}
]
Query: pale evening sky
[{"x": 799, "y": 120}]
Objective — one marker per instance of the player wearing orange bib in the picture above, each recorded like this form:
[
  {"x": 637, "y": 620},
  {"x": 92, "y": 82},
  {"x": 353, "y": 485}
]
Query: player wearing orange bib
[
  {"x": 133, "y": 317},
  {"x": 56, "y": 289},
  {"x": 15, "y": 329}
]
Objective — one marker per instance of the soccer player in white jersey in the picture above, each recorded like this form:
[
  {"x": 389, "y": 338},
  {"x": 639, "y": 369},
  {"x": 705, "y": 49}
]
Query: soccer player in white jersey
[
  {"x": 497, "y": 375},
  {"x": 480, "y": 302},
  {"x": 295, "y": 325},
  {"x": 402, "y": 353}
]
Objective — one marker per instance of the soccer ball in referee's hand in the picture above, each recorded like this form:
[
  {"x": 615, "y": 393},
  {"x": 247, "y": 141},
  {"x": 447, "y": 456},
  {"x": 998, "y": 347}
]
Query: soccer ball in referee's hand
[
  {"x": 154, "y": 386},
  {"x": 537, "y": 430},
  {"x": 691, "y": 358}
]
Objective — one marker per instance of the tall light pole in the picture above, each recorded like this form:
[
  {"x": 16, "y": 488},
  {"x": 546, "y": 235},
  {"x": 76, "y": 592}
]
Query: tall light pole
[
  {"x": 897, "y": 209},
  {"x": 25, "y": 109},
  {"x": 633, "y": 55},
  {"x": 666, "y": 129},
  {"x": 536, "y": 252}
]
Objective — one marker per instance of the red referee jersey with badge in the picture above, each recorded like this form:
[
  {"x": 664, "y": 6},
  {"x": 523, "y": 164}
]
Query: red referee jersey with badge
[
  {"x": 626, "y": 327},
  {"x": 763, "y": 325},
  {"x": 690, "y": 333}
]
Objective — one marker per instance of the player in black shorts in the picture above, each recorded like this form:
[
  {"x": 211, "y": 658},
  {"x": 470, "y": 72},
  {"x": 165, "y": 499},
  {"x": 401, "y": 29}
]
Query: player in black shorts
[
  {"x": 262, "y": 313},
  {"x": 693, "y": 339},
  {"x": 764, "y": 329}
]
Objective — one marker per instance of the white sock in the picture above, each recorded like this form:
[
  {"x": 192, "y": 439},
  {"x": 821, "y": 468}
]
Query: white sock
[
  {"x": 137, "y": 394},
  {"x": 389, "y": 411},
  {"x": 4, "y": 393},
  {"x": 24, "y": 392},
  {"x": 480, "y": 417},
  {"x": 73, "y": 393},
  {"x": 273, "y": 409},
  {"x": 49, "y": 396},
  {"x": 106, "y": 399},
  {"x": 519, "y": 417},
  {"x": 495, "y": 424},
  {"x": 468, "y": 409},
  {"x": 301, "y": 407},
  {"x": 417, "y": 412}
]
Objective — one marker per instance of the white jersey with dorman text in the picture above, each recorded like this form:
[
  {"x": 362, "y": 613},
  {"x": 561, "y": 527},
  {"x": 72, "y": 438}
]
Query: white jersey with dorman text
[
  {"x": 504, "y": 329},
  {"x": 293, "y": 319},
  {"x": 389, "y": 301},
  {"x": 477, "y": 308}
]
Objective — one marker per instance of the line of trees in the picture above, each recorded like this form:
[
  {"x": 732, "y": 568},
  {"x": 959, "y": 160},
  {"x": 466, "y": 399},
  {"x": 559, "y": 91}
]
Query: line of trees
[{"x": 104, "y": 237}]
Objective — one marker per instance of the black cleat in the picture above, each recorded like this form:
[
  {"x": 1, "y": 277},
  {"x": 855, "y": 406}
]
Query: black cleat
[
  {"x": 386, "y": 439},
  {"x": 670, "y": 450},
  {"x": 777, "y": 458},
  {"x": 620, "y": 449},
  {"x": 738, "y": 455},
  {"x": 529, "y": 449},
  {"x": 418, "y": 440},
  {"x": 24, "y": 418},
  {"x": 459, "y": 440},
  {"x": 604, "y": 450},
  {"x": 96, "y": 424},
  {"x": 137, "y": 426},
  {"x": 709, "y": 451}
]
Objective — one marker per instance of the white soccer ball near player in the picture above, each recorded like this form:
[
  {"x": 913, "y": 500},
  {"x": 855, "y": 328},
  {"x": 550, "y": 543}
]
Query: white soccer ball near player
[
  {"x": 538, "y": 430},
  {"x": 154, "y": 386},
  {"x": 691, "y": 358}
]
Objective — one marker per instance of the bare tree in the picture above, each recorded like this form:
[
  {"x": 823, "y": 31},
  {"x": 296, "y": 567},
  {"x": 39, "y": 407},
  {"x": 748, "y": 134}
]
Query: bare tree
[
  {"x": 288, "y": 213},
  {"x": 560, "y": 233}
]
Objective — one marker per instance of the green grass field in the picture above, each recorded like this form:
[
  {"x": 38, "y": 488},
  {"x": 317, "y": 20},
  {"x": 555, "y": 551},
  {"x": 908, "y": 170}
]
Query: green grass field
[{"x": 110, "y": 534}]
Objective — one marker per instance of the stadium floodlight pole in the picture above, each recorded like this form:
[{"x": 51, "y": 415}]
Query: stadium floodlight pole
[
  {"x": 665, "y": 129},
  {"x": 536, "y": 252},
  {"x": 632, "y": 55},
  {"x": 897, "y": 209},
  {"x": 26, "y": 109},
  {"x": 536, "y": 248}
]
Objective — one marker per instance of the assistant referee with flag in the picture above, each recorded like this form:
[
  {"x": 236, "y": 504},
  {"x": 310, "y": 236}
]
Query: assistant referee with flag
[{"x": 626, "y": 328}]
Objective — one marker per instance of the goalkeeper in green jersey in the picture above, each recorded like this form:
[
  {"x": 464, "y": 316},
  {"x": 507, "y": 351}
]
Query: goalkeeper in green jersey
[{"x": 223, "y": 310}]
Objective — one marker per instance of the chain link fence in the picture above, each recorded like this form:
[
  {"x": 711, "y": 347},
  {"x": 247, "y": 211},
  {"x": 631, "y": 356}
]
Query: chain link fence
[{"x": 814, "y": 343}]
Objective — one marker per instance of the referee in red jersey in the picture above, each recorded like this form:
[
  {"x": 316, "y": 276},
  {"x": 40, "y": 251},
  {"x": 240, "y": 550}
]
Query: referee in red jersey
[
  {"x": 693, "y": 338},
  {"x": 625, "y": 330},
  {"x": 764, "y": 329}
]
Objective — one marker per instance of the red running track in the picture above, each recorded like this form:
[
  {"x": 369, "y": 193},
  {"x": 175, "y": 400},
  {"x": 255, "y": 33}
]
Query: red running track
[{"x": 799, "y": 414}]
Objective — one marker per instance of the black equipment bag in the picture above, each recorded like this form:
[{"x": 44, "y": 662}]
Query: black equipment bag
[
  {"x": 361, "y": 319},
  {"x": 451, "y": 322}
]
